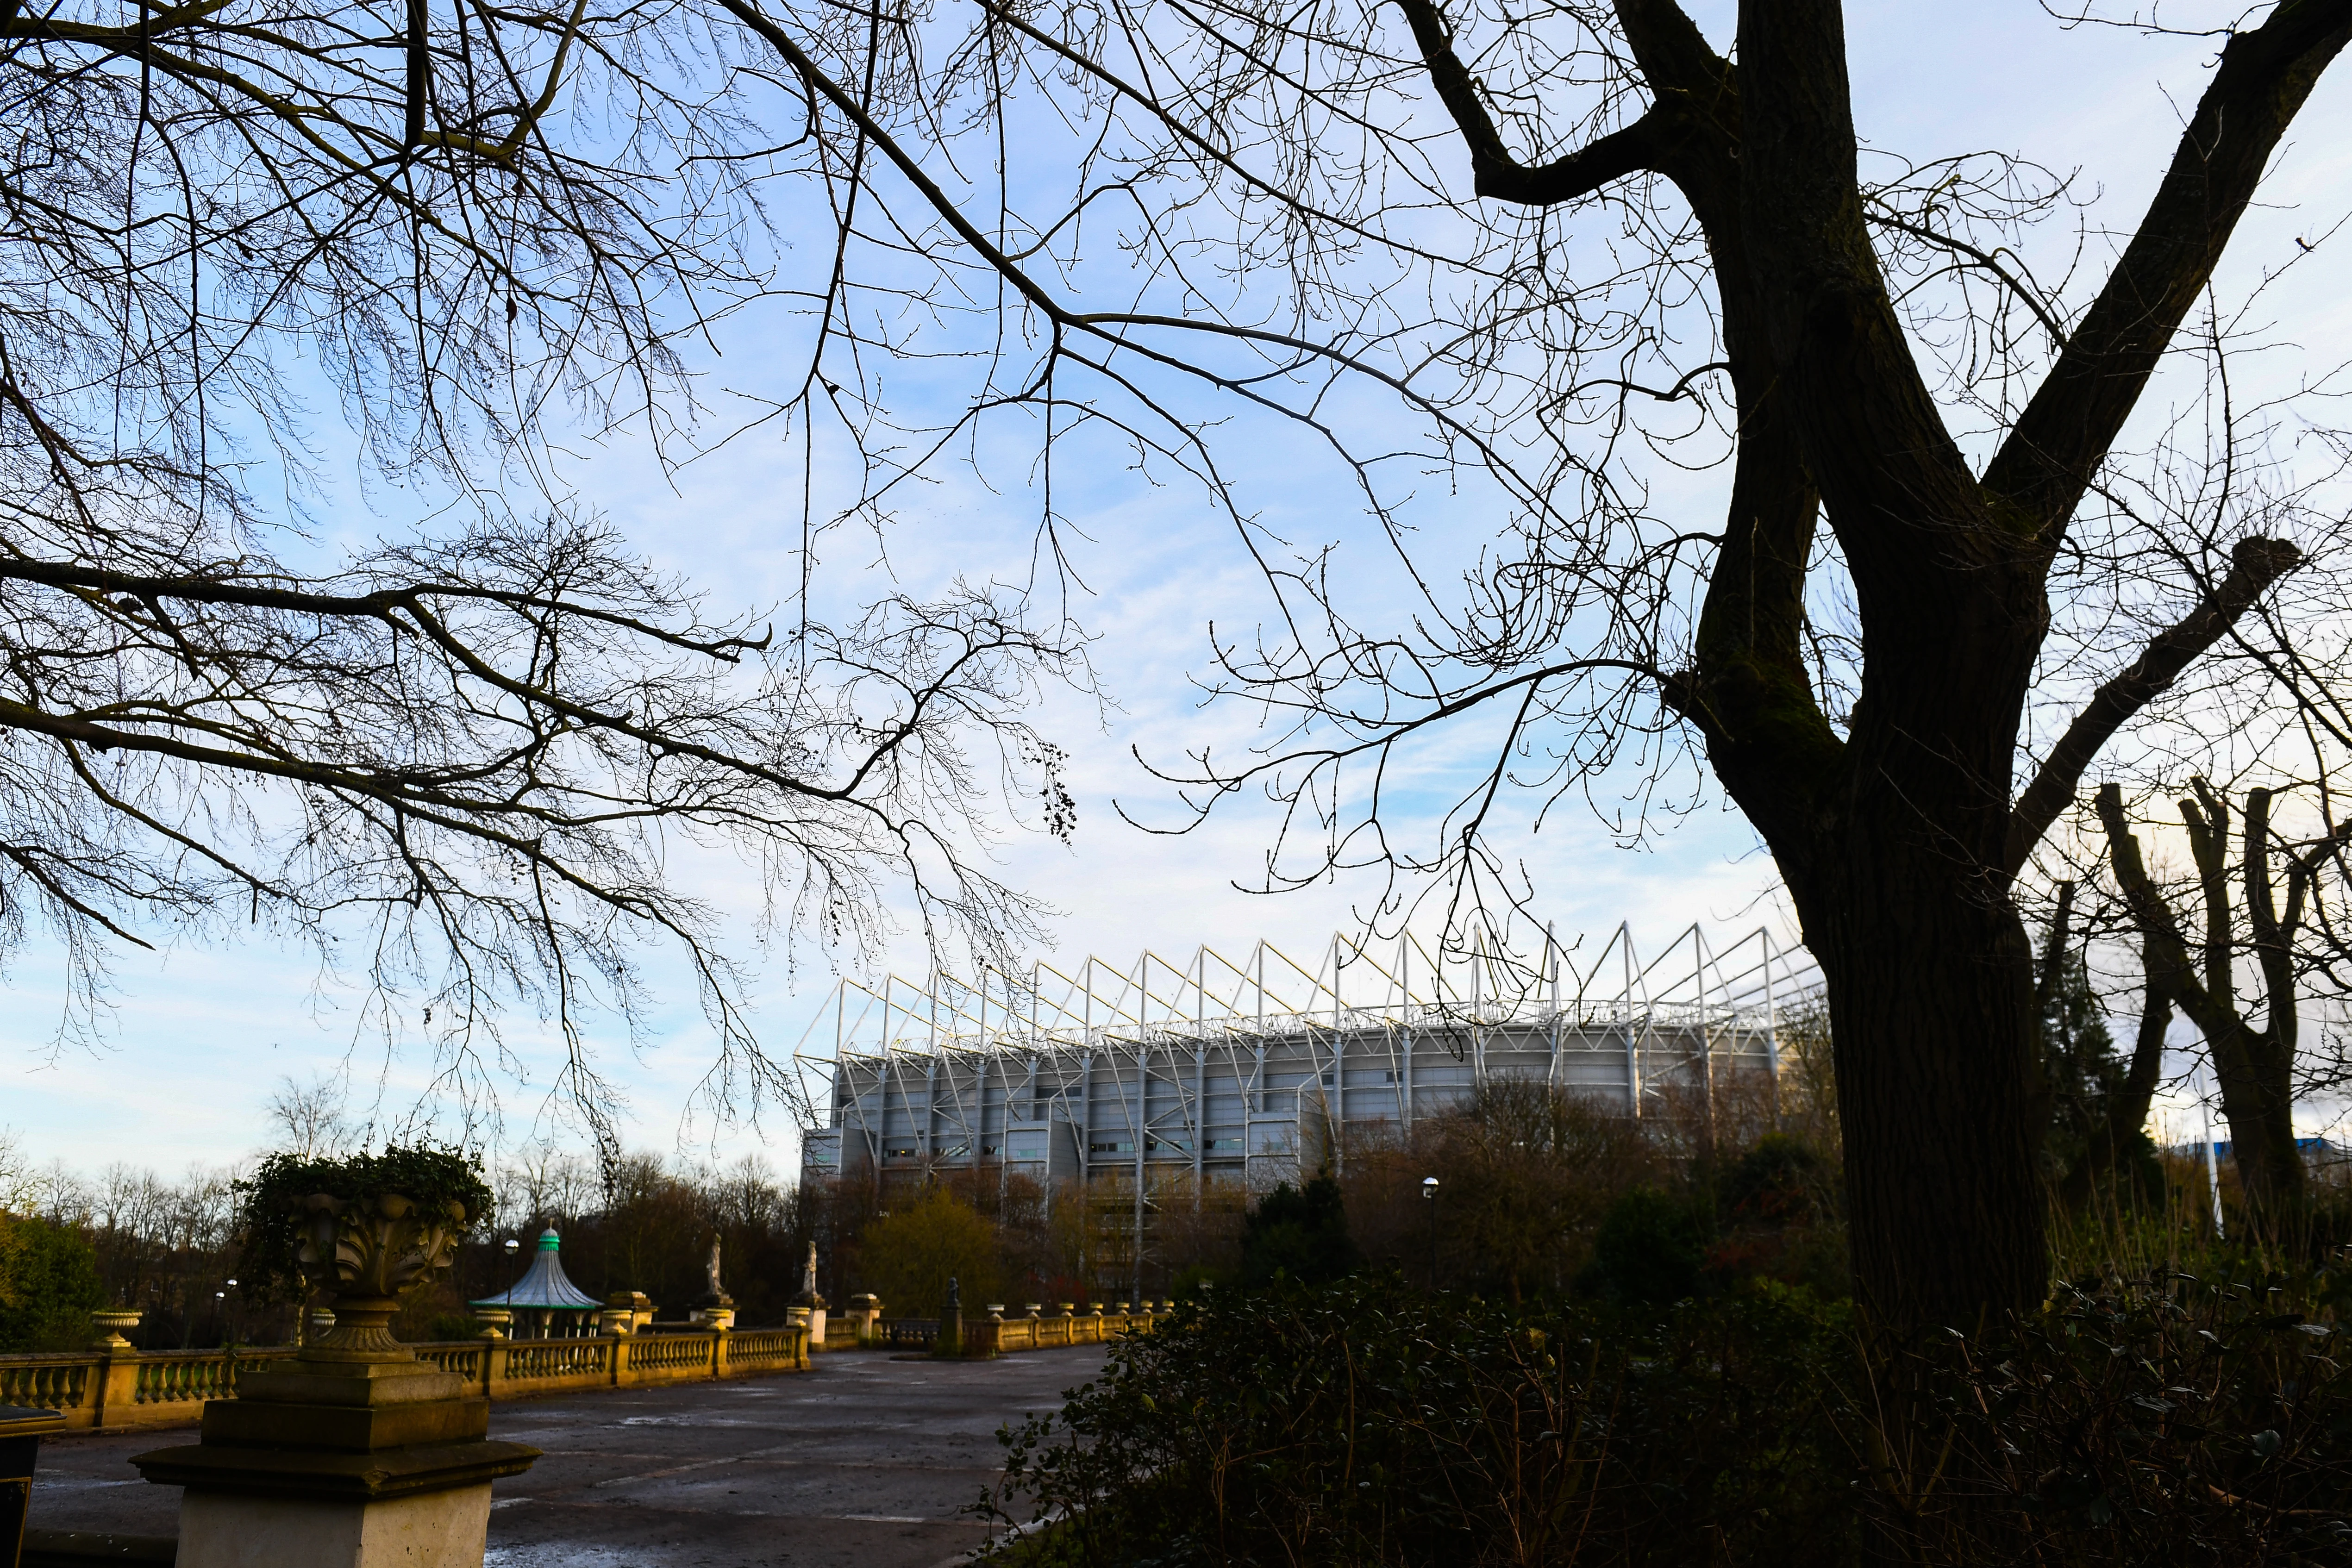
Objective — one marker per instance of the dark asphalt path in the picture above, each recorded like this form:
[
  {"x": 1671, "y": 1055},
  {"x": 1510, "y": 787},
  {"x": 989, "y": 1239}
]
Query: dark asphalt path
[{"x": 862, "y": 1462}]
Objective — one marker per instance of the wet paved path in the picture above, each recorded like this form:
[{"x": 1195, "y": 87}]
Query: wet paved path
[{"x": 862, "y": 1461}]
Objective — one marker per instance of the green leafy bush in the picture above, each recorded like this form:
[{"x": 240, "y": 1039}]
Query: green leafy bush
[
  {"x": 270, "y": 1218},
  {"x": 1361, "y": 1423},
  {"x": 48, "y": 1285},
  {"x": 1651, "y": 1247},
  {"x": 2163, "y": 1421},
  {"x": 1298, "y": 1234},
  {"x": 2170, "y": 1420}
]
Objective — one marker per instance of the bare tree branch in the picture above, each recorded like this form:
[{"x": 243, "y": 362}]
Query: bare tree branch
[{"x": 2255, "y": 564}]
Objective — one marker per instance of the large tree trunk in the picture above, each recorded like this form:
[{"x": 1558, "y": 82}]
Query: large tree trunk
[
  {"x": 2258, "y": 1102},
  {"x": 1931, "y": 999},
  {"x": 1892, "y": 824}
]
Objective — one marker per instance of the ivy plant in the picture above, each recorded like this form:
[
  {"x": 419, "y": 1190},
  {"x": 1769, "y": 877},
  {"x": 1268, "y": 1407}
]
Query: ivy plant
[{"x": 272, "y": 1220}]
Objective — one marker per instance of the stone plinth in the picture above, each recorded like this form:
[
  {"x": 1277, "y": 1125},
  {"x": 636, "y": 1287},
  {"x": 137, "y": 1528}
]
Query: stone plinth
[
  {"x": 812, "y": 1319},
  {"x": 340, "y": 1458},
  {"x": 865, "y": 1316},
  {"x": 442, "y": 1528}
]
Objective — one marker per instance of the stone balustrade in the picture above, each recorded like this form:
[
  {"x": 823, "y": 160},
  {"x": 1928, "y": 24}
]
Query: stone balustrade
[
  {"x": 120, "y": 1388},
  {"x": 997, "y": 1334},
  {"x": 117, "y": 1388}
]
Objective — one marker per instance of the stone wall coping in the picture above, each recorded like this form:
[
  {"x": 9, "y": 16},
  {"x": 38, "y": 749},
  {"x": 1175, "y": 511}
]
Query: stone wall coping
[{"x": 310, "y": 1474}]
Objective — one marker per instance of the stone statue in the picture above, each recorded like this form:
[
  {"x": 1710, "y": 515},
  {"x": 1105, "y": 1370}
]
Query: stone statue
[
  {"x": 715, "y": 1296},
  {"x": 809, "y": 1298}
]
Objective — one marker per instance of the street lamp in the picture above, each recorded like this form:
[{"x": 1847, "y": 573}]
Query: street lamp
[
  {"x": 513, "y": 1246},
  {"x": 1428, "y": 1194}
]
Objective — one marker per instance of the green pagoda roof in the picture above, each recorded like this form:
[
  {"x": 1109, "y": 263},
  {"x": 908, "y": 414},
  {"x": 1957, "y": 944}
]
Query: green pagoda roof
[{"x": 543, "y": 1286}]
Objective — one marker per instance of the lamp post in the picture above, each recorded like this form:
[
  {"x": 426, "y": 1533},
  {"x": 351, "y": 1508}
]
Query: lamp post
[
  {"x": 1429, "y": 1196},
  {"x": 513, "y": 1246}
]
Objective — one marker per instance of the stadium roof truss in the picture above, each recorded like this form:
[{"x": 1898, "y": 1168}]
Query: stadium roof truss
[{"x": 956, "y": 1046}]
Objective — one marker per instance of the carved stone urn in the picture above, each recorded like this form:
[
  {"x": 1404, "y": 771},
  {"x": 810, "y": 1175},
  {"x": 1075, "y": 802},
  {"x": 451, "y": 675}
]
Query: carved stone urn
[
  {"x": 354, "y": 1452},
  {"x": 111, "y": 1322},
  {"x": 367, "y": 1251}
]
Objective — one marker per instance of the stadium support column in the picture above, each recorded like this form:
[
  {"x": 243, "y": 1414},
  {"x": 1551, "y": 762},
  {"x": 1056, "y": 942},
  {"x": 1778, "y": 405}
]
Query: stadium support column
[
  {"x": 1404, "y": 1011},
  {"x": 1478, "y": 1012},
  {"x": 1632, "y": 1051},
  {"x": 1253, "y": 1103},
  {"x": 1200, "y": 1071},
  {"x": 1087, "y": 1073},
  {"x": 1142, "y": 1138},
  {"x": 1335, "y": 1105},
  {"x": 1551, "y": 965},
  {"x": 1705, "y": 1031}
]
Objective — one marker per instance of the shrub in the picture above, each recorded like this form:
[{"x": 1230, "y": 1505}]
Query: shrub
[
  {"x": 908, "y": 1256},
  {"x": 1359, "y": 1423},
  {"x": 1301, "y": 1235},
  {"x": 1651, "y": 1247},
  {"x": 48, "y": 1285},
  {"x": 2166, "y": 1420},
  {"x": 447, "y": 1326}
]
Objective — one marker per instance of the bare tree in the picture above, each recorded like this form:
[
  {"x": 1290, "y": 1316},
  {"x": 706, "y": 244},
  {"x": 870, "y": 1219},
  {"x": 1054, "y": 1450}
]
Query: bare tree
[
  {"x": 467, "y": 753},
  {"x": 1529, "y": 1170},
  {"x": 309, "y": 1118},
  {"x": 1566, "y": 237},
  {"x": 2240, "y": 917},
  {"x": 544, "y": 1184},
  {"x": 20, "y": 1183}
]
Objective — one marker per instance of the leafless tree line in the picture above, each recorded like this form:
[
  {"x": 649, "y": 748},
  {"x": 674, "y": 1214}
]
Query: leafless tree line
[
  {"x": 633, "y": 1220},
  {"x": 163, "y": 1245}
]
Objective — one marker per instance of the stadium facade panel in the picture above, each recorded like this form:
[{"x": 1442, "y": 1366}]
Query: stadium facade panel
[{"x": 1254, "y": 1070}]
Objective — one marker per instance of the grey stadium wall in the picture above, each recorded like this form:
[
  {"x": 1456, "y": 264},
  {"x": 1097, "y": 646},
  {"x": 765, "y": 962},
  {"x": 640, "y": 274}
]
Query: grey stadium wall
[{"x": 1250, "y": 1070}]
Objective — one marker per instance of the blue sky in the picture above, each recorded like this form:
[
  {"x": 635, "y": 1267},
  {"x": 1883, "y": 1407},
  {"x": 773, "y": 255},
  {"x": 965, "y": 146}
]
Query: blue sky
[{"x": 201, "y": 1034}]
